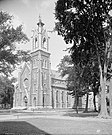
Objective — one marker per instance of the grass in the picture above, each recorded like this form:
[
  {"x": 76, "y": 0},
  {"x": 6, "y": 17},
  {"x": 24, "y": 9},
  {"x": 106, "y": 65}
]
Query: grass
[
  {"x": 81, "y": 114},
  {"x": 19, "y": 128}
]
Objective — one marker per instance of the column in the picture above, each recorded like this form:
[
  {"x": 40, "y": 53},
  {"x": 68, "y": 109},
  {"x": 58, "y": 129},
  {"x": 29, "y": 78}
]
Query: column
[
  {"x": 72, "y": 101},
  {"x": 30, "y": 85},
  {"x": 40, "y": 91},
  {"x": 40, "y": 88},
  {"x": 49, "y": 86},
  {"x": 60, "y": 99},
  {"x": 69, "y": 100},
  {"x": 14, "y": 100},
  {"x": 65, "y": 99},
  {"x": 54, "y": 96}
]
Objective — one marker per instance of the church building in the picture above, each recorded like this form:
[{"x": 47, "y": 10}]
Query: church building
[{"x": 38, "y": 86}]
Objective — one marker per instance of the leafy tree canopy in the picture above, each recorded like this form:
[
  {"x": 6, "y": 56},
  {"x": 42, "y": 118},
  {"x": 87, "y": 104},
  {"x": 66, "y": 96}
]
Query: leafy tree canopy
[
  {"x": 87, "y": 24},
  {"x": 79, "y": 79},
  {"x": 9, "y": 36},
  {"x": 81, "y": 22},
  {"x": 6, "y": 90}
]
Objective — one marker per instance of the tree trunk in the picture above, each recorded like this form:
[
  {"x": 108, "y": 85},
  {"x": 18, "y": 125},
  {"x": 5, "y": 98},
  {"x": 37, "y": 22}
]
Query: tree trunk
[
  {"x": 86, "y": 107},
  {"x": 77, "y": 98},
  {"x": 75, "y": 106},
  {"x": 103, "y": 111},
  {"x": 5, "y": 106},
  {"x": 110, "y": 97},
  {"x": 103, "y": 78},
  {"x": 94, "y": 101}
]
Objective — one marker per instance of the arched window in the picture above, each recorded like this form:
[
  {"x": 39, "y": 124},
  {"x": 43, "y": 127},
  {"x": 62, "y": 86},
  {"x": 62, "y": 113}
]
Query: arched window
[
  {"x": 25, "y": 100},
  {"x": 26, "y": 83},
  {"x": 34, "y": 101}
]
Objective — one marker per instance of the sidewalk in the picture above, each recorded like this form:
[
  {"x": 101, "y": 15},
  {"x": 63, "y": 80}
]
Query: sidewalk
[{"x": 22, "y": 116}]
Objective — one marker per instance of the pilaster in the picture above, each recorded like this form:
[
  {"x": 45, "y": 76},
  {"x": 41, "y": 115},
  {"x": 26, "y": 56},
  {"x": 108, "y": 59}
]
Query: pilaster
[
  {"x": 60, "y": 99},
  {"x": 54, "y": 97}
]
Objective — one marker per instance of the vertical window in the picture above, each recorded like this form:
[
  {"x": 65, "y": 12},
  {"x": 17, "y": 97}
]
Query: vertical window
[
  {"x": 34, "y": 88},
  {"x": 68, "y": 100},
  {"x": 34, "y": 101},
  {"x": 62, "y": 96},
  {"x": 57, "y": 96},
  {"x": 107, "y": 89},
  {"x": 34, "y": 75},
  {"x": 67, "y": 97},
  {"x": 45, "y": 63},
  {"x": 45, "y": 76},
  {"x": 42, "y": 63}
]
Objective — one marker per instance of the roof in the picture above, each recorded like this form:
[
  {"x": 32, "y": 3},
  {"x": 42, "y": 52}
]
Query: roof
[
  {"x": 57, "y": 79},
  {"x": 57, "y": 75}
]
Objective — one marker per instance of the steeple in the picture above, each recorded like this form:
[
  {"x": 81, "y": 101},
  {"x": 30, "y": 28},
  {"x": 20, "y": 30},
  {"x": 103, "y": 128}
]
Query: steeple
[
  {"x": 40, "y": 37},
  {"x": 40, "y": 23}
]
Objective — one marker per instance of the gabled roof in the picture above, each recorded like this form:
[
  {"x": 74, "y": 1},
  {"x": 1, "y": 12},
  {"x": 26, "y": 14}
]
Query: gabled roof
[{"x": 24, "y": 65}]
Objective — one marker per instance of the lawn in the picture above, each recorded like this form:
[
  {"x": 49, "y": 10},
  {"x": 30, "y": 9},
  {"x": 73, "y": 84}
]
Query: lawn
[
  {"x": 81, "y": 114},
  {"x": 19, "y": 128},
  {"x": 69, "y": 123}
]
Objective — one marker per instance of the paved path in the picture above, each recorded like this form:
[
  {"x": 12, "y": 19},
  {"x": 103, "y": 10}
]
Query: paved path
[{"x": 48, "y": 115}]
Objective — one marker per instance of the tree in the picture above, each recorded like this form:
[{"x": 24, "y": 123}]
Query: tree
[
  {"x": 67, "y": 68},
  {"x": 87, "y": 25},
  {"x": 6, "y": 91},
  {"x": 9, "y": 36},
  {"x": 23, "y": 55},
  {"x": 78, "y": 80}
]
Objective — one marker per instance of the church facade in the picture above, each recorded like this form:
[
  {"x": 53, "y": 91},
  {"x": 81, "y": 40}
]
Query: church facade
[{"x": 39, "y": 86}]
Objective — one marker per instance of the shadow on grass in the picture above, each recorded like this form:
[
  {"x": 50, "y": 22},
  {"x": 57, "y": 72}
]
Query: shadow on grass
[
  {"x": 81, "y": 114},
  {"x": 19, "y": 128}
]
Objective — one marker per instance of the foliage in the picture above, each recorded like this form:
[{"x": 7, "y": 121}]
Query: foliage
[
  {"x": 87, "y": 25},
  {"x": 23, "y": 55},
  {"x": 9, "y": 36},
  {"x": 79, "y": 79},
  {"x": 6, "y": 90}
]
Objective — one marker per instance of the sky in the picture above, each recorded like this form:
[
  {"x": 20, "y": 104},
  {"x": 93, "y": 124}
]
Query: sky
[{"x": 27, "y": 13}]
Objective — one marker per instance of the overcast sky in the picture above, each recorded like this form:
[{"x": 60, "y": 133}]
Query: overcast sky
[{"x": 27, "y": 12}]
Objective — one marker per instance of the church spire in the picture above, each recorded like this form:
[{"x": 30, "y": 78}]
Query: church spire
[
  {"x": 40, "y": 23},
  {"x": 40, "y": 37}
]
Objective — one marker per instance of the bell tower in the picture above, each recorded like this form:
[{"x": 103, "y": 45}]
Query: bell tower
[
  {"x": 40, "y": 37},
  {"x": 40, "y": 68}
]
